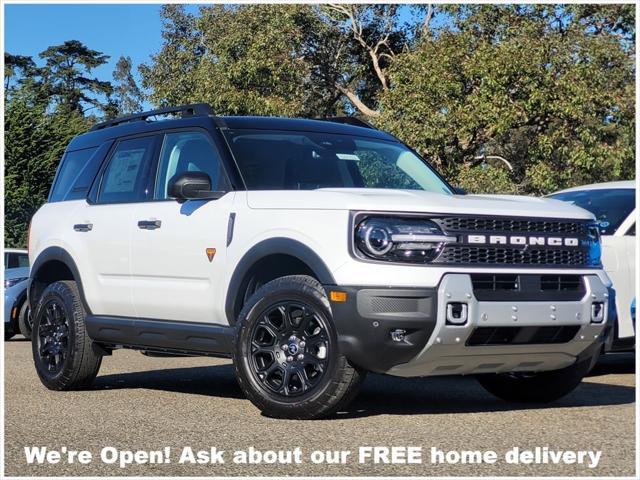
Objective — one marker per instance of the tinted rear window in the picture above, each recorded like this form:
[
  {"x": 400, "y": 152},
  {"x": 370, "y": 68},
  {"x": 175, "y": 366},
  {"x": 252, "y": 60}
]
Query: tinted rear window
[
  {"x": 610, "y": 206},
  {"x": 74, "y": 175}
]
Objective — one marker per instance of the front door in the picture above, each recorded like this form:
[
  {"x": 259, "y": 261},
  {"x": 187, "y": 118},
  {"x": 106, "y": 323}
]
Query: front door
[
  {"x": 102, "y": 230},
  {"x": 179, "y": 249}
]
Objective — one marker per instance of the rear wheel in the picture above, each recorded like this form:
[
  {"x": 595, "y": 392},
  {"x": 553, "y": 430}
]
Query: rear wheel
[
  {"x": 286, "y": 353},
  {"x": 538, "y": 387},
  {"x": 61, "y": 348}
]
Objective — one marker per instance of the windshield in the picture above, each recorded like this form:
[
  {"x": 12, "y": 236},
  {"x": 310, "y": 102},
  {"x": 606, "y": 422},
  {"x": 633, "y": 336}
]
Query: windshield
[
  {"x": 288, "y": 160},
  {"x": 610, "y": 207}
]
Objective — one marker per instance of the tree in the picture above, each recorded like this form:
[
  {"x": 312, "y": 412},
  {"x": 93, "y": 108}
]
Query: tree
[
  {"x": 34, "y": 142},
  {"x": 128, "y": 96},
  {"x": 277, "y": 59},
  {"x": 16, "y": 67},
  {"x": 372, "y": 35},
  {"x": 539, "y": 85},
  {"x": 36, "y": 133},
  {"x": 67, "y": 75},
  {"x": 239, "y": 59}
]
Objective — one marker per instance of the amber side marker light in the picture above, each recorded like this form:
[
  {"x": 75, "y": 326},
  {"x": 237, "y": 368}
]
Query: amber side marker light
[{"x": 339, "y": 297}]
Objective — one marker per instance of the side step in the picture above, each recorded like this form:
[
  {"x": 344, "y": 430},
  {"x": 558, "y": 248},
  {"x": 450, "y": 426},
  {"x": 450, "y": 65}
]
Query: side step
[{"x": 161, "y": 336}]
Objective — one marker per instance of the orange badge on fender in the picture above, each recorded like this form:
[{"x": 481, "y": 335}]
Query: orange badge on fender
[{"x": 211, "y": 252}]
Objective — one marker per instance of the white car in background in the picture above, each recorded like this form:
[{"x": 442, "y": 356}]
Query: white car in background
[{"x": 614, "y": 205}]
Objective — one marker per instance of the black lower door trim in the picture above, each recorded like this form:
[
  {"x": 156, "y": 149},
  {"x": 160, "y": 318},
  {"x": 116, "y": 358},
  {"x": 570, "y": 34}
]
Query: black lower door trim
[{"x": 161, "y": 335}]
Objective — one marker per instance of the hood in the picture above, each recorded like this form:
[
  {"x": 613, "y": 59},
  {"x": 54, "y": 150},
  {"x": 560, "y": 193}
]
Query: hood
[{"x": 419, "y": 201}]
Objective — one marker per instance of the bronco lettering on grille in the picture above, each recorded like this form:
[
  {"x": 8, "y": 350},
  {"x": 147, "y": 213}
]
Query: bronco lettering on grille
[{"x": 522, "y": 240}]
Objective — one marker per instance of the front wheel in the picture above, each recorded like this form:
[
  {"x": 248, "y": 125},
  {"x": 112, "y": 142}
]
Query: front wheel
[
  {"x": 286, "y": 354},
  {"x": 541, "y": 387},
  {"x": 61, "y": 348}
]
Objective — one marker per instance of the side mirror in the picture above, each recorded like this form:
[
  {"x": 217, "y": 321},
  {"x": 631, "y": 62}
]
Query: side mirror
[
  {"x": 192, "y": 186},
  {"x": 459, "y": 191}
]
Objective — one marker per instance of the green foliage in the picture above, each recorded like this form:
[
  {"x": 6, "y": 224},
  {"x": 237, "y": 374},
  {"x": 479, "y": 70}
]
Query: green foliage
[
  {"x": 240, "y": 60},
  {"x": 34, "y": 142},
  {"x": 65, "y": 76},
  {"x": 128, "y": 96},
  {"x": 485, "y": 179},
  {"x": 537, "y": 85},
  {"x": 296, "y": 60},
  {"x": 44, "y": 110}
]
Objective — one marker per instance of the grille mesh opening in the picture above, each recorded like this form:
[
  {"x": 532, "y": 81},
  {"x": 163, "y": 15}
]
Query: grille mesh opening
[
  {"x": 501, "y": 256},
  {"x": 495, "y": 282},
  {"x": 482, "y": 336},
  {"x": 560, "y": 282}
]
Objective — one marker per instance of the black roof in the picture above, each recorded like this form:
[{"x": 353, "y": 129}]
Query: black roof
[{"x": 98, "y": 136}]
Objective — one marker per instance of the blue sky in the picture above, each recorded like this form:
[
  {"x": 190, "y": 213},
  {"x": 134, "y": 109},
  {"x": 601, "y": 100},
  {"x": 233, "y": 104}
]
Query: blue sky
[{"x": 115, "y": 30}]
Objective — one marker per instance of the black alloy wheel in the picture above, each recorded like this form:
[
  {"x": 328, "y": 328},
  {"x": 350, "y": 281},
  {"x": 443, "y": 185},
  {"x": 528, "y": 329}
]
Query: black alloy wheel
[
  {"x": 53, "y": 337},
  {"x": 286, "y": 352},
  {"x": 290, "y": 348}
]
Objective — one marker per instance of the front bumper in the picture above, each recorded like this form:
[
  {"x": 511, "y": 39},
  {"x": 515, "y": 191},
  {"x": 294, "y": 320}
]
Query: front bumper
[{"x": 545, "y": 335}]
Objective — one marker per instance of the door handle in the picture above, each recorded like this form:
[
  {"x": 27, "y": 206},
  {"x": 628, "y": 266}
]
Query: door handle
[
  {"x": 83, "y": 227},
  {"x": 149, "y": 224}
]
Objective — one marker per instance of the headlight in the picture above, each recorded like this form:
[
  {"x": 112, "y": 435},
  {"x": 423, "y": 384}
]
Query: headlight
[
  {"x": 400, "y": 239},
  {"x": 10, "y": 282}
]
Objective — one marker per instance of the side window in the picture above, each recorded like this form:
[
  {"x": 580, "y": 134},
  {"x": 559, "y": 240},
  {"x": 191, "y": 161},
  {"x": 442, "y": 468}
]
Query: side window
[
  {"x": 72, "y": 166},
  {"x": 188, "y": 152},
  {"x": 125, "y": 178}
]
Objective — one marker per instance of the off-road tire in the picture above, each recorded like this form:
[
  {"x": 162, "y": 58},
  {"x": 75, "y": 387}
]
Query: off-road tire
[
  {"x": 81, "y": 365},
  {"x": 541, "y": 387},
  {"x": 23, "y": 320},
  {"x": 340, "y": 381}
]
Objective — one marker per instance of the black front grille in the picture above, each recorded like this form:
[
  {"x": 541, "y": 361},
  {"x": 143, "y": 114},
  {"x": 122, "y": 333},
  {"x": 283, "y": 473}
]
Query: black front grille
[
  {"x": 507, "y": 241},
  {"x": 487, "y": 224},
  {"x": 484, "y": 336},
  {"x": 512, "y": 256}
]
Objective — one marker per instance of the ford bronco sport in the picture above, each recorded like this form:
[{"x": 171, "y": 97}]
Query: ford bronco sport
[{"x": 310, "y": 252}]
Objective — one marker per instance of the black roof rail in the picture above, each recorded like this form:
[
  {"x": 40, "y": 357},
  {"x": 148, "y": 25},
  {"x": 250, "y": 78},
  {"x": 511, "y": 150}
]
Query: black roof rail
[
  {"x": 191, "y": 110},
  {"x": 355, "y": 121}
]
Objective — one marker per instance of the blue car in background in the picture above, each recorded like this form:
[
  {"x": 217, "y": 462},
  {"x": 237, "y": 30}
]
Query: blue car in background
[{"x": 17, "y": 318}]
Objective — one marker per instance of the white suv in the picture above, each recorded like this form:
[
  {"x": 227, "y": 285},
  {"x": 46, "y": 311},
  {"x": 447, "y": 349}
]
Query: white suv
[
  {"x": 311, "y": 252},
  {"x": 614, "y": 206}
]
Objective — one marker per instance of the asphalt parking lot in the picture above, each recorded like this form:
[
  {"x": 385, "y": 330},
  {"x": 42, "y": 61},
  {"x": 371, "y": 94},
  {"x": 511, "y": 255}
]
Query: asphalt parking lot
[{"x": 143, "y": 403}]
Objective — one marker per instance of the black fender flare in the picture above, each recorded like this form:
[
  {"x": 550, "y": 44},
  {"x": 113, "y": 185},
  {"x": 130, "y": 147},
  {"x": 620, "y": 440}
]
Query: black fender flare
[
  {"x": 58, "y": 254},
  {"x": 273, "y": 246}
]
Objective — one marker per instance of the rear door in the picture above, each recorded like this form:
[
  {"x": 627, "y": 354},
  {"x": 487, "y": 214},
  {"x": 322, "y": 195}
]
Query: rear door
[
  {"x": 179, "y": 248},
  {"x": 103, "y": 227}
]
